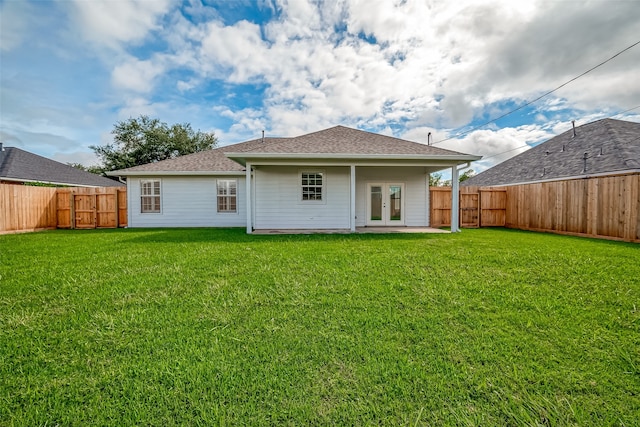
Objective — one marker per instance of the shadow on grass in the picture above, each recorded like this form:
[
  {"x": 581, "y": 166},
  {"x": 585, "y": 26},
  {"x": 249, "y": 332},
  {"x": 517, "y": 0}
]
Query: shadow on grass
[{"x": 239, "y": 235}]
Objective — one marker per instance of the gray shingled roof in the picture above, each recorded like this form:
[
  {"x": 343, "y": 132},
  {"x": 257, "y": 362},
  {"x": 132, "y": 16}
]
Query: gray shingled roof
[
  {"x": 19, "y": 165},
  {"x": 204, "y": 161},
  {"x": 609, "y": 145},
  {"x": 343, "y": 140},
  {"x": 335, "y": 140}
]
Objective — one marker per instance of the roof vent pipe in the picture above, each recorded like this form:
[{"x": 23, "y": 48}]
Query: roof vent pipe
[
  {"x": 429, "y": 138},
  {"x": 263, "y": 136},
  {"x": 573, "y": 122},
  {"x": 585, "y": 157}
]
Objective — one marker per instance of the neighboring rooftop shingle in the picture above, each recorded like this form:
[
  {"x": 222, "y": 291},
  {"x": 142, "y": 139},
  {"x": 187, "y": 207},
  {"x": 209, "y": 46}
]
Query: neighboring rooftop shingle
[
  {"x": 20, "y": 165},
  {"x": 609, "y": 145}
]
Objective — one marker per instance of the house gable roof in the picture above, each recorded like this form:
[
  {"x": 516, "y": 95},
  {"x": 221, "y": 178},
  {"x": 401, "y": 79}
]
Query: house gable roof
[
  {"x": 22, "y": 166},
  {"x": 604, "y": 146},
  {"x": 335, "y": 142},
  {"x": 343, "y": 140}
]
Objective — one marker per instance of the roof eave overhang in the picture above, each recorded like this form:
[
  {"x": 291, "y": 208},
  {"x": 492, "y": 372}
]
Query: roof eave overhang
[
  {"x": 287, "y": 158},
  {"x": 175, "y": 173}
]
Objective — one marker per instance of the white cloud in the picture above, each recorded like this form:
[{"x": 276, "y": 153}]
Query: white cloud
[
  {"x": 136, "y": 75},
  {"x": 413, "y": 65},
  {"x": 112, "y": 23}
]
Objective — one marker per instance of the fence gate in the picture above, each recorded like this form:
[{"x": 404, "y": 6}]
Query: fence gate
[
  {"x": 84, "y": 211},
  {"x": 92, "y": 208},
  {"x": 469, "y": 210}
]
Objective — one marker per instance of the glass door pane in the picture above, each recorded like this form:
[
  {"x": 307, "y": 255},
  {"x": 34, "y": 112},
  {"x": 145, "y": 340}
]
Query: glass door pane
[
  {"x": 395, "y": 203},
  {"x": 376, "y": 203}
]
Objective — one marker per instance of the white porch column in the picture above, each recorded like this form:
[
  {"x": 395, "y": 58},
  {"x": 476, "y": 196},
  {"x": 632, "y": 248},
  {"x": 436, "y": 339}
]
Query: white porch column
[
  {"x": 455, "y": 200},
  {"x": 352, "y": 210},
  {"x": 248, "y": 198}
]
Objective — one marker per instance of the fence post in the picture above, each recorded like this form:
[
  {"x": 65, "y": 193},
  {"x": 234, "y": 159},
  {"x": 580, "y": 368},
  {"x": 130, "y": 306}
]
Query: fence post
[{"x": 72, "y": 209}]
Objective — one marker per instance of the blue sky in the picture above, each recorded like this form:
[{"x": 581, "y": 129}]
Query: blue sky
[{"x": 71, "y": 69}]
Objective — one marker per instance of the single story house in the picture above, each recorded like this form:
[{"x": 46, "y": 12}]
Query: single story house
[
  {"x": 600, "y": 148},
  {"x": 337, "y": 178},
  {"x": 19, "y": 167}
]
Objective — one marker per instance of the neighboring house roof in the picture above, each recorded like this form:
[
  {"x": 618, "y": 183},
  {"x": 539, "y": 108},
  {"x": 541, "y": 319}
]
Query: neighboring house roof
[
  {"x": 335, "y": 142},
  {"x": 17, "y": 165},
  {"x": 602, "y": 147}
]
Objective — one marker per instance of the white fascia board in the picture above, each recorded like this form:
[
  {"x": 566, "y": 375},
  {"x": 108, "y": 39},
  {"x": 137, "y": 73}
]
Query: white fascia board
[
  {"x": 177, "y": 173},
  {"x": 243, "y": 157}
]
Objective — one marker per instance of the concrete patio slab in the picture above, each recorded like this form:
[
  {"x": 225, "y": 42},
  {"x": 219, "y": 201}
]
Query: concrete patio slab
[{"x": 359, "y": 230}]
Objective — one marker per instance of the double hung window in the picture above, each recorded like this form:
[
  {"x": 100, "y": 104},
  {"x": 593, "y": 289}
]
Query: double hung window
[
  {"x": 150, "y": 196},
  {"x": 227, "y": 195},
  {"x": 312, "y": 186}
]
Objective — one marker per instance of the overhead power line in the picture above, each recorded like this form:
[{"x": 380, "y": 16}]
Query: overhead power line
[
  {"x": 527, "y": 145},
  {"x": 538, "y": 98}
]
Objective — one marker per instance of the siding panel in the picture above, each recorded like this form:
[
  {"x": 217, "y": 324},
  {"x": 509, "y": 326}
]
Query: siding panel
[
  {"x": 186, "y": 202},
  {"x": 278, "y": 203}
]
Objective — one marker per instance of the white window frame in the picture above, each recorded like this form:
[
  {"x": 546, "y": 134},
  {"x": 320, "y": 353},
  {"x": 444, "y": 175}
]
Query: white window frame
[
  {"x": 323, "y": 186},
  {"x": 228, "y": 197},
  {"x": 156, "y": 209}
]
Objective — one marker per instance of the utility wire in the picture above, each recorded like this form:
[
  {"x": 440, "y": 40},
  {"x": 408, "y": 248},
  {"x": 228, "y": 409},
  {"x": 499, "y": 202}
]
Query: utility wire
[
  {"x": 527, "y": 145},
  {"x": 538, "y": 98}
]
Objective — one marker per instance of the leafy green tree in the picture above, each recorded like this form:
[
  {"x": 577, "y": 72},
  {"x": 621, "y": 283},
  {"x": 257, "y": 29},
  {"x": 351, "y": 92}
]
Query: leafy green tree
[
  {"x": 466, "y": 175},
  {"x": 435, "y": 180},
  {"x": 142, "y": 140}
]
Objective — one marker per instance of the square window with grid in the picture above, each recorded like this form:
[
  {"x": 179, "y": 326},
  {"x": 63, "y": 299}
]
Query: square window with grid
[
  {"x": 150, "y": 196},
  {"x": 312, "y": 185},
  {"x": 227, "y": 195}
]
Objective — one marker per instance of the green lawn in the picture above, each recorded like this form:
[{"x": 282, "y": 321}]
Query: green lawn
[{"x": 199, "y": 327}]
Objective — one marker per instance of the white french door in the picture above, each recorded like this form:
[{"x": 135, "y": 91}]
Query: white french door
[{"x": 385, "y": 204}]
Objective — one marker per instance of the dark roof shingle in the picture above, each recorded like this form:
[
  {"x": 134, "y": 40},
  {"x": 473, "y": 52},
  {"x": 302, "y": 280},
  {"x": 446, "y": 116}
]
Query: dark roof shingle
[
  {"x": 20, "y": 165},
  {"x": 600, "y": 147}
]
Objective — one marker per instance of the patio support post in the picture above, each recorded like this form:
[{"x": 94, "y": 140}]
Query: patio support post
[
  {"x": 455, "y": 200},
  {"x": 352, "y": 210},
  {"x": 248, "y": 198}
]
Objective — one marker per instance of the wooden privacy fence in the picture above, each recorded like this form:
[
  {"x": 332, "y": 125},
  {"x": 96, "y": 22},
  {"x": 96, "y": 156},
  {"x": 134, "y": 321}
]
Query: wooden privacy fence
[
  {"x": 479, "y": 207},
  {"x": 604, "y": 207},
  {"x": 26, "y": 208},
  {"x": 104, "y": 207}
]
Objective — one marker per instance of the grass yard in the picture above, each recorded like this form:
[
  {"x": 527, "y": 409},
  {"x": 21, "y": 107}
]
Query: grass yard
[{"x": 214, "y": 327}]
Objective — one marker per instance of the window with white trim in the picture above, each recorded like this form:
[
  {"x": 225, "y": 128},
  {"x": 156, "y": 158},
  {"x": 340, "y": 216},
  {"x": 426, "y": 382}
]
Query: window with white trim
[
  {"x": 150, "y": 196},
  {"x": 227, "y": 195},
  {"x": 312, "y": 186}
]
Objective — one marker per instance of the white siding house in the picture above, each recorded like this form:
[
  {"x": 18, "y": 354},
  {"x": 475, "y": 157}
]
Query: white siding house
[{"x": 338, "y": 178}]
